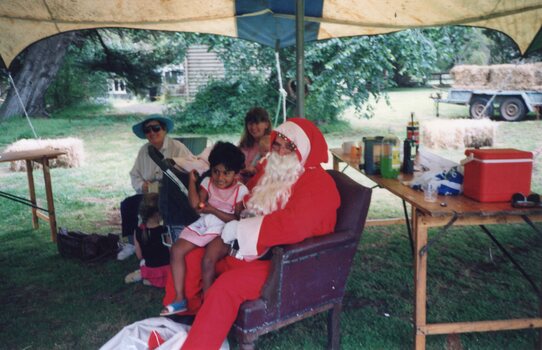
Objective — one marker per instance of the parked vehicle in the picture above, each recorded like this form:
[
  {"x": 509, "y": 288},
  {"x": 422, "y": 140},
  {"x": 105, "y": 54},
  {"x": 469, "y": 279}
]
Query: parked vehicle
[
  {"x": 509, "y": 91},
  {"x": 511, "y": 105}
]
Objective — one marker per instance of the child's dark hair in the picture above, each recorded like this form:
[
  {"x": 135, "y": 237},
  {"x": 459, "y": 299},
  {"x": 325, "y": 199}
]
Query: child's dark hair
[
  {"x": 147, "y": 208},
  {"x": 227, "y": 154}
]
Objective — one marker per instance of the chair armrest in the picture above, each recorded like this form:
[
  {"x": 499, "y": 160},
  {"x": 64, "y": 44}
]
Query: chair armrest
[
  {"x": 315, "y": 245},
  {"x": 290, "y": 254}
]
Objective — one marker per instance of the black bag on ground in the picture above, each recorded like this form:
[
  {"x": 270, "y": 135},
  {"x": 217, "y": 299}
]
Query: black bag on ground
[{"x": 86, "y": 247}]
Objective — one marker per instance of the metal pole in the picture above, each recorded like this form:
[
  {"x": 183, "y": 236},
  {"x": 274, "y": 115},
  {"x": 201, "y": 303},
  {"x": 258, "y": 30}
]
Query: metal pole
[{"x": 300, "y": 58}]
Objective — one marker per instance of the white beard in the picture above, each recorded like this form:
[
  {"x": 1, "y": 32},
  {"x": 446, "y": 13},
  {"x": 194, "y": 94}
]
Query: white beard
[{"x": 274, "y": 187}]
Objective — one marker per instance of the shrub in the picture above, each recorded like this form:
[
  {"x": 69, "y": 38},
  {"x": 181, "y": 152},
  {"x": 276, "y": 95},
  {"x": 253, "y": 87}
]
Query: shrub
[{"x": 221, "y": 105}]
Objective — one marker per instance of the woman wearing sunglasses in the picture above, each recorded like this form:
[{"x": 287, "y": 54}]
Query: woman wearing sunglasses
[{"x": 146, "y": 174}]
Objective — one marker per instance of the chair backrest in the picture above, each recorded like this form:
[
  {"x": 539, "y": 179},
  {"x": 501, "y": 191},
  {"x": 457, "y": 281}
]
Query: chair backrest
[
  {"x": 318, "y": 267},
  {"x": 355, "y": 201},
  {"x": 196, "y": 144}
]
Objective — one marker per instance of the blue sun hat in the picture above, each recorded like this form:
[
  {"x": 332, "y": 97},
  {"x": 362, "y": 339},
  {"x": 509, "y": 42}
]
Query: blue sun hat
[{"x": 138, "y": 128}]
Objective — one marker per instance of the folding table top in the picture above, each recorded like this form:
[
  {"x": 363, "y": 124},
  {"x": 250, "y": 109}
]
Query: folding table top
[
  {"x": 445, "y": 205},
  {"x": 30, "y": 155}
]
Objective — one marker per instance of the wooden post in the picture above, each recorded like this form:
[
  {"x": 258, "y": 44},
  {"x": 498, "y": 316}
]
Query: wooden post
[
  {"x": 300, "y": 57},
  {"x": 32, "y": 190},
  {"x": 420, "y": 281},
  {"x": 49, "y": 194},
  {"x": 335, "y": 162}
]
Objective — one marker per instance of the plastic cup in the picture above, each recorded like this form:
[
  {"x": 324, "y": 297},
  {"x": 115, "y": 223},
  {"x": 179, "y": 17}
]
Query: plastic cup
[
  {"x": 347, "y": 146},
  {"x": 430, "y": 192}
]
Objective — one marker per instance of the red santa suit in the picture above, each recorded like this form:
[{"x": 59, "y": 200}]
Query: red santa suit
[{"x": 310, "y": 211}]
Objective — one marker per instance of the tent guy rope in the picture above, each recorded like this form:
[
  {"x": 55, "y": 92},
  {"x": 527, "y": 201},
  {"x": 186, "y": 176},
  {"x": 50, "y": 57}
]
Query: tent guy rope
[{"x": 22, "y": 104}]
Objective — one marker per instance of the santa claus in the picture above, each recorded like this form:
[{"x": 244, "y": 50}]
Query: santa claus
[{"x": 293, "y": 198}]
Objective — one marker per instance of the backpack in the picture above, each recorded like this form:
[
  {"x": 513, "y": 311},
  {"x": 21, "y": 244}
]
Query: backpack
[{"x": 86, "y": 247}]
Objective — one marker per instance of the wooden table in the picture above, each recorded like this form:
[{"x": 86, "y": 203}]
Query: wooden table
[
  {"x": 41, "y": 156},
  {"x": 340, "y": 157},
  {"x": 458, "y": 210}
]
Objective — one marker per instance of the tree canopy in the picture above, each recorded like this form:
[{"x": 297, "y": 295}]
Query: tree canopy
[
  {"x": 345, "y": 72},
  {"x": 77, "y": 65},
  {"x": 342, "y": 72}
]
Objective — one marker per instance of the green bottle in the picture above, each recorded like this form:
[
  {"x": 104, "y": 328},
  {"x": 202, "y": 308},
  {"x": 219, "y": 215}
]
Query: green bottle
[{"x": 390, "y": 158}]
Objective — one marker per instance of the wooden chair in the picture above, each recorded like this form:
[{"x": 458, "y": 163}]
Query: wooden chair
[{"x": 309, "y": 277}]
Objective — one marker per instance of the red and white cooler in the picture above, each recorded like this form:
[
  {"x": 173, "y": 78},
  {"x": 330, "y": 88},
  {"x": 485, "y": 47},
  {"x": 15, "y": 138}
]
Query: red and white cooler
[{"x": 494, "y": 175}]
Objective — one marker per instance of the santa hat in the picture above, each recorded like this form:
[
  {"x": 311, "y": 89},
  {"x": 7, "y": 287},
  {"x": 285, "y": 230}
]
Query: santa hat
[{"x": 311, "y": 146}]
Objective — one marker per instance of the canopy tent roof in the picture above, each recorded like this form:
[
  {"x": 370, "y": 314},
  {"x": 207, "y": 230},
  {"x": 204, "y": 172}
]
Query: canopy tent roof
[{"x": 23, "y": 22}]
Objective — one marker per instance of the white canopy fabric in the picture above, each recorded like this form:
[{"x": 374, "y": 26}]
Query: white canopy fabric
[{"x": 23, "y": 22}]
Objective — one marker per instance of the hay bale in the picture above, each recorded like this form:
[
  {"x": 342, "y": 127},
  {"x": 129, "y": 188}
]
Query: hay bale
[
  {"x": 537, "y": 74},
  {"x": 498, "y": 77},
  {"x": 470, "y": 76},
  {"x": 512, "y": 77},
  {"x": 454, "y": 134},
  {"x": 74, "y": 157}
]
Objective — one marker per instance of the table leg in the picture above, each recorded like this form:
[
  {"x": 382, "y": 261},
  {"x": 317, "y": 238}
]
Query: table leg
[
  {"x": 409, "y": 228},
  {"x": 335, "y": 163},
  {"x": 49, "y": 194},
  {"x": 32, "y": 190},
  {"x": 420, "y": 282},
  {"x": 413, "y": 219}
]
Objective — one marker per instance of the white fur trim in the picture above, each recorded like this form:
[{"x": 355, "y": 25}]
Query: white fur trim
[
  {"x": 248, "y": 231},
  {"x": 296, "y": 134}
]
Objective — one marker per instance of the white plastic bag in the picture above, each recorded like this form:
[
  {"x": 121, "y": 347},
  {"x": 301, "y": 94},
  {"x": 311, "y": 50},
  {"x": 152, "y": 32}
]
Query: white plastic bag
[
  {"x": 446, "y": 174},
  {"x": 136, "y": 336}
]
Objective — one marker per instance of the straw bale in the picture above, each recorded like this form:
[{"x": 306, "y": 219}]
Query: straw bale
[
  {"x": 471, "y": 87},
  {"x": 498, "y": 77},
  {"x": 470, "y": 75},
  {"x": 74, "y": 157},
  {"x": 454, "y": 134},
  {"x": 512, "y": 77},
  {"x": 537, "y": 72}
]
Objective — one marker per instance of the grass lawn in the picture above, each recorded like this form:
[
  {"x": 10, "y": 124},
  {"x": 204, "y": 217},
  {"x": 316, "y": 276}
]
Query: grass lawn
[{"x": 51, "y": 303}]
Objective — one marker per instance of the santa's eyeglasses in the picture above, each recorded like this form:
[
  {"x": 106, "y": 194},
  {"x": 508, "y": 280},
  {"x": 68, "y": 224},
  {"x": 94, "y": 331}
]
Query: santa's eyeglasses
[{"x": 288, "y": 145}]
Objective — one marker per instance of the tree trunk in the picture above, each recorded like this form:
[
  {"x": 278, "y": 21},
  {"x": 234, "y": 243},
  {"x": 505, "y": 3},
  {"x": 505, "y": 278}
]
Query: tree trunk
[{"x": 40, "y": 66}]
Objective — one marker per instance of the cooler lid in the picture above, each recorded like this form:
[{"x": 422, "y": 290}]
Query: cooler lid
[{"x": 498, "y": 153}]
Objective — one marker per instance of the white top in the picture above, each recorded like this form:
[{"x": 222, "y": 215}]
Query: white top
[
  {"x": 145, "y": 169},
  {"x": 224, "y": 199}
]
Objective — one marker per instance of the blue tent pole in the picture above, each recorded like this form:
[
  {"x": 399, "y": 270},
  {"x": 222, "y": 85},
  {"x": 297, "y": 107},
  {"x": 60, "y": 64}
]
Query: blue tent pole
[{"x": 300, "y": 58}]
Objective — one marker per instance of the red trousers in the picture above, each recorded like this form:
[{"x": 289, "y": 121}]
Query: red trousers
[{"x": 238, "y": 281}]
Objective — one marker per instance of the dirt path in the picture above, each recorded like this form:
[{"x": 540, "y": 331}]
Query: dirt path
[{"x": 139, "y": 107}]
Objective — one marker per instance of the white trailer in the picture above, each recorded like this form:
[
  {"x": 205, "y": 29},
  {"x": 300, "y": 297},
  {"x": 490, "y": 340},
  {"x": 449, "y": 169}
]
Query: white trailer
[{"x": 511, "y": 105}]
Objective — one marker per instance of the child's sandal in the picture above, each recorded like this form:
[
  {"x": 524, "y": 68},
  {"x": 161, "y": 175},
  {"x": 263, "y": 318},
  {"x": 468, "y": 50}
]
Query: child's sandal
[{"x": 174, "y": 308}]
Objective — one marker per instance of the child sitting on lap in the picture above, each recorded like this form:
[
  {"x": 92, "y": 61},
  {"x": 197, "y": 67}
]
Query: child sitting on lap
[{"x": 219, "y": 200}]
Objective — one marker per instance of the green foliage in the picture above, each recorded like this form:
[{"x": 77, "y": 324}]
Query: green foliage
[
  {"x": 75, "y": 84},
  {"x": 135, "y": 55},
  {"x": 502, "y": 49},
  {"x": 346, "y": 72},
  {"x": 132, "y": 55},
  {"x": 221, "y": 106},
  {"x": 343, "y": 72}
]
